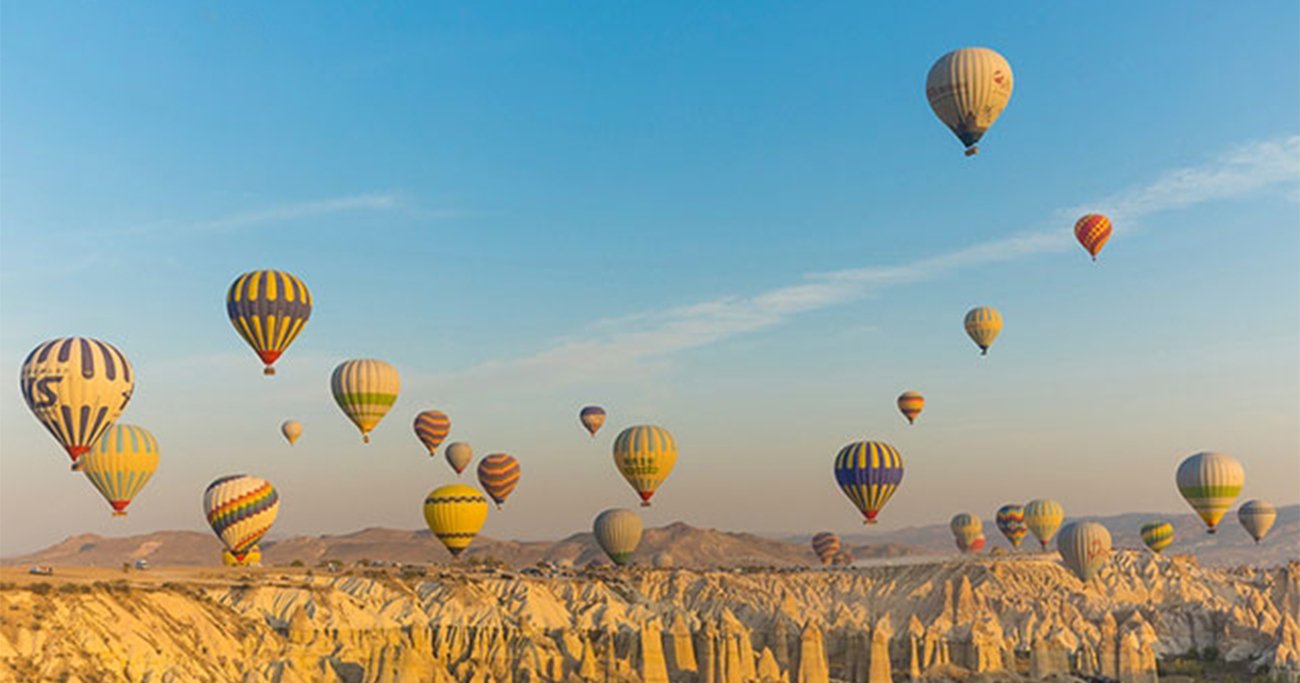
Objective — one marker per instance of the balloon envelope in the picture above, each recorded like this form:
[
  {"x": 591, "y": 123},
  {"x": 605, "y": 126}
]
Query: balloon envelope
[
  {"x": 966, "y": 528},
  {"x": 1157, "y": 535},
  {"x": 910, "y": 404},
  {"x": 455, "y": 514},
  {"x": 431, "y": 427},
  {"x": 1257, "y": 516},
  {"x": 826, "y": 545},
  {"x": 1092, "y": 231},
  {"x": 77, "y": 387},
  {"x": 1011, "y": 522},
  {"x": 268, "y": 308},
  {"x": 1043, "y": 517},
  {"x": 121, "y": 463},
  {"x": 645, "y": 456},
  {"x": 1210, "y": 482},
  {"x": 498, "y": 474},
  {"x": 983, "y": 325},
  {"x": 240, "y": 509},
  {"x": 618, "y": 531},
  {"x": 365, "y": 390},
  {"x": 291, "y": 429},
  {"x": 592, "y": 418},
  {"x": 458, "y": 455},
  {"x": 968, "y": 89},
  {"x": 1084, "y": 547},
  {"x": 869, "y": 472}
]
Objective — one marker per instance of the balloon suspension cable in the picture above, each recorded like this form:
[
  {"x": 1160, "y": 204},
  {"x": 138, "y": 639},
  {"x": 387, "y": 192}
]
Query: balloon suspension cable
[{"x": 268, "y": 371}]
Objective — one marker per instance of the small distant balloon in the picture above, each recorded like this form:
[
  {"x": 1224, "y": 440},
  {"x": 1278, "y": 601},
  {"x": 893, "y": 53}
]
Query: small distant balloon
[
  {"x": 1257, "y": 517},
  {"x": 592, "y": 418},
  {"x": 869, "y": 472},
  {"x": 268, "y": 308},
  {"x": 1210, "y": 482},
  {"x": 965, "y": 529},
  {"x": 968, "y": 89},
  {"x": 826, "y": 545},
  {"x": 1010, "y": 520},
  {"x": 1044, "y": 517},
  {"x": 1084, "y": 547},
  {"x": 910, "y": 404},
  {"x": 365, "y": 390},
  {"x": 291, "y": 429},
  {"x": 498, "y": 474},
  {"x": 1157, "y": 535},
  {"x": 983, "y": 325},
  {"x": 455, "y": 514},
  {"x": 431, "y": 427},
  {"x": 618, "y": 531},
  {"x": 458, "y": 455},
  {"x": 1092, "y": 231},
  {"x": 121, "y": 463},
  {"x": 77, "y": 387}
]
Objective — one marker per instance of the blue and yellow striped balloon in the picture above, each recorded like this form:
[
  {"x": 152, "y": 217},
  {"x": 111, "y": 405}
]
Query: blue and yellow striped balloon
[
  {"x": 869, "y": 472},
  {"x": 268, "y": 309},
  {"x": 77, "y": 387},
  {"x": 120, "y": 464},
  {"x": 1157, "y": 535}
]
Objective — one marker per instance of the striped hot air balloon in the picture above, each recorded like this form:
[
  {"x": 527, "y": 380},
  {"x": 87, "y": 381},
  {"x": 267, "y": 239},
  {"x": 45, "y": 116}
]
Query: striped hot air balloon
[
  {"x": 618, "y": 531},
  {"x": 365, "y": 390},
  {"x": 1084, "y": 547},
  {"x": 268, "y": 309},
  {"x": 455, "y": 513},
  {"x": 240, "y": 509},
  {"x": 966, "y": 528},
  {"x": 77, "y": 387},
  {"x": 431, "y": 427},
  {"x": 645, "y": 456},
  {"x": 458, "y": 455},
  {"x": 968, "y": 89},
  {"x": 253, "y": 558},
  {"x": 1257, "y": 516},
  {"x": 1210, "y": 482},
  {"x": 1092, "y": 231},
  {"x": 983, "y": 325},
  {"x": 869, "y": 472},
  {"x": 1044, "y": 517},
  {"x": 910, "y": 404},
  {"x": 498, "y": 474},
  {"x": 1157, "y": 535},
  {"x": 592, "y": 419},
  {"x": 1011, "y": 522},
  {"x": 291, "y": 429},
  {"x": 121, "y": 463},
  {"x": 826, "y": 545}
]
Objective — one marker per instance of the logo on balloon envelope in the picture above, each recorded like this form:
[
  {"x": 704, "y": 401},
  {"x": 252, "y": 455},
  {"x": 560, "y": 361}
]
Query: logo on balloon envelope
[{"x": 32, "y": 386}]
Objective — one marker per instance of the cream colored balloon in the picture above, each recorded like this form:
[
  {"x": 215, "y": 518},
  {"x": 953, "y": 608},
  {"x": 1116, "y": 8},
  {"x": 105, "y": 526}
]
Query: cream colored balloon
[
  {"x": 291, "y": 429},
  {"x": 968, "y": 89},
  {"x": 1084, "y": 547},
  {"x": 365, "y": 390}
]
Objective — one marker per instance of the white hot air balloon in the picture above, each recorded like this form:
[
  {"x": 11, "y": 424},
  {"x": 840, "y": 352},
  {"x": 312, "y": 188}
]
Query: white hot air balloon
[
  {"x": 968, "y": 89},
  {"x": 1084, "y": 547},
  {"x": 1257, "y": 516}
]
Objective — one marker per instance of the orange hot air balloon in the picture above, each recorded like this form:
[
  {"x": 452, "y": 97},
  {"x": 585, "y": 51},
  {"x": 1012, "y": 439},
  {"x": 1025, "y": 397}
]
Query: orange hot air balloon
[
  {"x": 1092, "y": 231},
  {"x": 910, "y": 404}
]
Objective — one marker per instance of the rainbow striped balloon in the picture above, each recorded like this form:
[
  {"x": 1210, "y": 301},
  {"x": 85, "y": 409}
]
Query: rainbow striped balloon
[
  {"x": 910, "y": 404},
  {"x": 268, "y": 309},
  {"x": 498, "y": 474},
  {"x": 431, "y": 427},
  {"x": 1011, "y": 522},
  {"x": 1157, "y": 535},
  {"x": 240, "y": 509},
  {"x": 121, "y": 463},
  {"x": 869, "y": 472}
]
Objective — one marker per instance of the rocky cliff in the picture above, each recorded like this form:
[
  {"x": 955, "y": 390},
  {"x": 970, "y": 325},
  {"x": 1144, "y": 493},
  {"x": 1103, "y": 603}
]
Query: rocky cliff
[{"x": 1018, "y": 618}]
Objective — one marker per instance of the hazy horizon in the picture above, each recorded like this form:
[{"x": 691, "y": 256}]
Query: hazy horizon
[{"x": 747, "y": 227}]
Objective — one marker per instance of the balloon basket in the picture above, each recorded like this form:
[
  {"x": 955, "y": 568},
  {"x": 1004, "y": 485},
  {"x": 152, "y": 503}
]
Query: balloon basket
[
  {"x": 972, "y": 150},
  {"x": 268, "y": 371},
  {"x": 119, "y": 513},
  {"x": 645, "y": 503}
]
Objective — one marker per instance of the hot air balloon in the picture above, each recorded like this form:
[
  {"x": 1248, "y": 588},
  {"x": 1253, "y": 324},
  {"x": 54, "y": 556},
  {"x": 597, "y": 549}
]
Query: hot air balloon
[
  {"x": 826, "y": 545},
  {"x": 869, "y": 472},
  {"x": 77, "y": 387},
  {"x": 1043, "y": 517},
  {"x": 618, "y": 531},
  {"x": 291, "y": 429},
  {"x": 1084, "y": 547},
  {"x": 645, "y": 455},
  {"x": 121, "y": 463},
  {"x": 455, "y": 513},
  {"x": 968, "y": 89},
  {"x": 983, "y": 325},
  {"x": 365, "y": 389},
  {"x": 498, "y": 474},
  {"x": 268, "y": 309},
  {"x": 662, "y": 560},
  {"x": 1210, "y": 482},
  {"x": 253, "y": 558},
  {"x": 1011, "y": 522},
  {"x": 911, "y": 403},
  {"x": 458, "y": 455},
  {"x": 240, "y": 509},
  {"x": 431, "y": 427},
  {"x": 1092, "y": 231},
  {"x": 592, "y": 418},
  {"x": 1257, "y": 516},
  {"x": 965, "y": 529},
  {"x": 1157, "y": 535}
]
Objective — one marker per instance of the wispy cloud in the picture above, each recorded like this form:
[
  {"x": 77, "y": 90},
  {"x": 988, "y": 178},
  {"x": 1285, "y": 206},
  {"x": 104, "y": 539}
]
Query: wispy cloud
[
  {"x": 615, "y": 348},
  {"x": 273, "y": 215}
]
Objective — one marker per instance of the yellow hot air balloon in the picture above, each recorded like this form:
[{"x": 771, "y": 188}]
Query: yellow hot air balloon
[
  {"x": 455, "y": 513},
  {"x": 365, "y": 389},
  {"x": 77, "y": 387},
  {"x": 291, "y": 429},
  {"x": 968, "y": 89},
  {"x": 965, "y": 529},
  {"x": 983, "y": 325},
  {"x": 253, "y": 558},
  {"x": 645, "y": 455},
  {"x": 121, "y": 463},
  {"x": 1044, "y": 517},
  {"x": 1210, "y": 482}
]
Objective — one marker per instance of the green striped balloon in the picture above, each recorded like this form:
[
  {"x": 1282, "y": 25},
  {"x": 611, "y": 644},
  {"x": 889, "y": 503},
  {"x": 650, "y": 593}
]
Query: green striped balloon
[
  {"x": 1210, "y": 482},
  {"x": 1157, "y": 535}
]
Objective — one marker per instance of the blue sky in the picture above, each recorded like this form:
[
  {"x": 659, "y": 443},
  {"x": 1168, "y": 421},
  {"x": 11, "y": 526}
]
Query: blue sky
[{"x": 737, "y": 221}]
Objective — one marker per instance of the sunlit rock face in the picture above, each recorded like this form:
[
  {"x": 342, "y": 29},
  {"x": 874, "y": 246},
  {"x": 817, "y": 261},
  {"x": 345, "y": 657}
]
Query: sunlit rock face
[{"x": 1010, "y": 618}]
